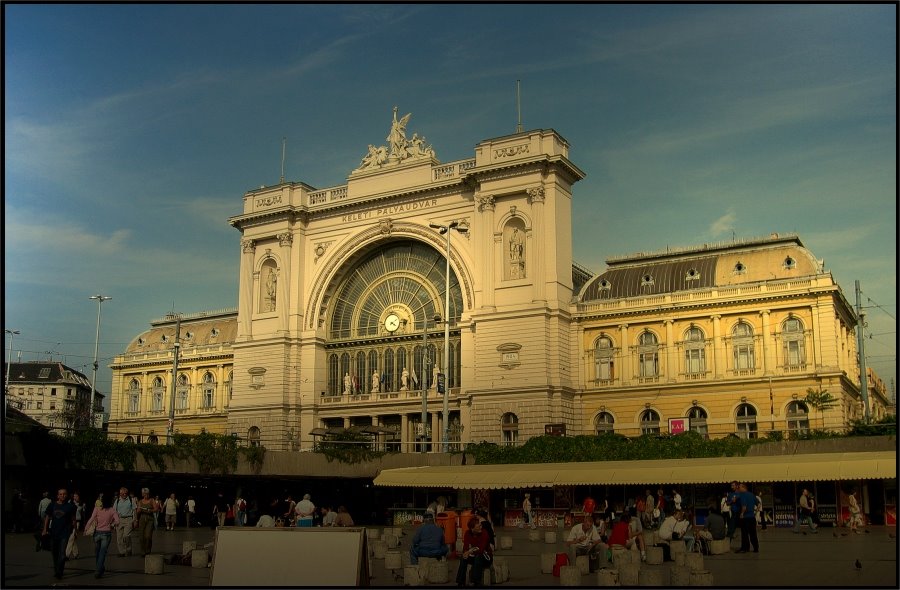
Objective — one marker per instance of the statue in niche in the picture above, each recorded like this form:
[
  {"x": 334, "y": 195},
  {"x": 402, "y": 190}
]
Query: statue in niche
[
  {"x": 376, "y": 382},
  {"x": 397, "y": 137},
  {"x": 516, "y": 255},
  {"x": 271, "y": 288},
  {"x": 404, "y": 380},
  {"x": 434, "y": 377},
  {"x": 348, "y": 384}
]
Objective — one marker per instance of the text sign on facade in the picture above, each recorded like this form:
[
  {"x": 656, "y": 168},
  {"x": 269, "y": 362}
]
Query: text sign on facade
[
  {"x": 679, "y": 425},
  {"x": 441, "y": 383}
]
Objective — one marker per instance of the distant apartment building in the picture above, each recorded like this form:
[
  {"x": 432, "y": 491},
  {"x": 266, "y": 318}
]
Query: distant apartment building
[{"x": 54, "y": 394}]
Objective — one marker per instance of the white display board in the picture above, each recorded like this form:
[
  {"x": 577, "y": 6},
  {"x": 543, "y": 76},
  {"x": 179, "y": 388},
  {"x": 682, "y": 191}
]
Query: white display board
[{"x": 251, "y": 556}]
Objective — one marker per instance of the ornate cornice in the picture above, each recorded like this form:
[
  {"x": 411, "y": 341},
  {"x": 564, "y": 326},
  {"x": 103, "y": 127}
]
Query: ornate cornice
[
  {"x": 536, "y": 195},
  {"x": 248, "y": 246},
  {"x": 485, "y": 202},
  {"x": 285, "y": 239}
]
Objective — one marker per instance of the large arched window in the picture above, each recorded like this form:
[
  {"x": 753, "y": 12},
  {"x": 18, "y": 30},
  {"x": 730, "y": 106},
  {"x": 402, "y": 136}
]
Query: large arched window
[
  {"x": 370, "y": 371},
  {"x": 603, "y": 360},
  {"x": 605, "y": 423},
  {"x": 742, "y": 342},
  {"x": 157, "y": 394},
  {"x": 792, "y": 337},
  {"x": 402, "y": 364},
  {"x": 694, "y": 352},
  {"x": 229, "y": 384},
  {"x": 745, "y": 421},
  {"x": 698, "y": 417},
  {"x": 134, "y": 396},
  {"x": 649, "y": 422},
  {"x": 797, "y": 417},
  {"x": 509, "y": 426},
  {"x": 209, "y": 390},
  {"x": 334, "y": 379},
  {"x": 359, "y": 376},
  {"x": 345, "y": 372},
  {"x": 648, "y": 355},
  {"x": 388, "y": 372},
  {"x": 182, "y": 392}
]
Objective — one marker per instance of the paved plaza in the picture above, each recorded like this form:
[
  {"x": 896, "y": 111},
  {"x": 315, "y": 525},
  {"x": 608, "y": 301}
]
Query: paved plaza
[{"x": 785, "y": 559}]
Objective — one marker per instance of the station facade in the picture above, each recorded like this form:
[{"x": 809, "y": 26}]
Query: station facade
[{"x": 344, "y": 306}]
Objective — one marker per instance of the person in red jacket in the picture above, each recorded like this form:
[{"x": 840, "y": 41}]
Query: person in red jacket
[
  {"x": 589, "y": 506},
  {"x": 477, "y": 552}
]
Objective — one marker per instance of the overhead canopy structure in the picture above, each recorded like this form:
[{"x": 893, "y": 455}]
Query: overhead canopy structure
[{"x": 808, "y": 467}]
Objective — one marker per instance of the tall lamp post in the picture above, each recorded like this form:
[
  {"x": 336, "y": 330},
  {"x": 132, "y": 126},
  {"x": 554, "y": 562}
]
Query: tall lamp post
[
  {"x": 445, "y": 229},
  {"x": 100, "y": 299},
  {"x": 8, "y": 362}
]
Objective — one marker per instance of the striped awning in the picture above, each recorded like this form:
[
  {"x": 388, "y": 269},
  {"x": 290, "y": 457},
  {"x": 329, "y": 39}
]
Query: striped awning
[{"x": 800, "y": 467}]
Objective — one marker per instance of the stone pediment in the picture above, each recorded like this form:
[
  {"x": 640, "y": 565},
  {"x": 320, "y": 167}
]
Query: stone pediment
[{"x": 399, "y": 149}]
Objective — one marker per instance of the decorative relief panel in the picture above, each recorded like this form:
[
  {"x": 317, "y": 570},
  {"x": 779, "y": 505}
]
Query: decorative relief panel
[
  {"x": 511, "y": 151},
  {"x": 320, "y": 249},
  {"x": 509, "y": 355}
]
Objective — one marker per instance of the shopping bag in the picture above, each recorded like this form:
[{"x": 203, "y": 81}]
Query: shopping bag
[{"x": 72, "y": 547}]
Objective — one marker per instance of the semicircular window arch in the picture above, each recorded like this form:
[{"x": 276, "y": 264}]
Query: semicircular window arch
[{"x": 405, "y": 275}]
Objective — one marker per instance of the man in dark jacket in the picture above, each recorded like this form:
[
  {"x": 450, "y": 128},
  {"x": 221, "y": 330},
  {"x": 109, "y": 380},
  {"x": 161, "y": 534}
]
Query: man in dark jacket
[{"x": 428, "y": 541}]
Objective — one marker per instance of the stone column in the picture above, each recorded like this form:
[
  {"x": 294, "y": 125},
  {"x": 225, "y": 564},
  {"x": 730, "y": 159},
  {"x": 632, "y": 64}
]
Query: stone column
[
  {"x": 626, "y": 370},
  {"x": 435, "y": 431},
  {"x": 671, "y": 361},
  {"x": 816, "y": 352},
  {"x": 535, "y": 251},
  {"x": 486, "y": 206},
  {"x": 248, "y": 251},
  {"x": 284, "y": 280},
  {"x": 718, "y": 348}
]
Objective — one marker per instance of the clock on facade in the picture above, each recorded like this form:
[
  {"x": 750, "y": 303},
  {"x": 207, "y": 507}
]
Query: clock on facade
[{"x": 391, "y": 323}]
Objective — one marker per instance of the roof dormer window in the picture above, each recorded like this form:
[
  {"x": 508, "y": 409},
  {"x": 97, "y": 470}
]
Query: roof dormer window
[
  {"x": 739, "y": 268},
  {"x": 692, "y": 275},
  {"x": 789, "y": 263}
]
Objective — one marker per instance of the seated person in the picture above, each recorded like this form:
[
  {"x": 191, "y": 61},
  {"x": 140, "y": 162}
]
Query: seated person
[
  {"x": 488, "y": 526},
  {"x": 265, "y": 521},
  {"x": 683, "y": 530},
  {"x": 623, "y": 535},
  {"x": 715, "y": 528},
  {"x": 477, "y": 552},
  {"x": 428, "y": 541},
  {"x": 584, "y": 539},
  {"x": 667, "y": 528}
]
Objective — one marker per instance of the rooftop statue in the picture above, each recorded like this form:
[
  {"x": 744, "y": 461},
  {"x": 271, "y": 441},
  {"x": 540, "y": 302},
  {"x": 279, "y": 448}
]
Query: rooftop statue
[{"x": 401, "y": 148}]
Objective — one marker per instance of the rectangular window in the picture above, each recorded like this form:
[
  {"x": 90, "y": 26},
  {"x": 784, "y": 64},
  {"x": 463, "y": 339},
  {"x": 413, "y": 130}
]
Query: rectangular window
[
  {"x": 793, "y": 353},
  {"x": 53, "y": 391},
  {"x": 649, "y": 365},
  {"x": 40, "y": 405},
  {"x": 52, "y": 405},
  {"x": 182, "y": 400},
  {"x": 45, "y": 373},
  {"x": 134, "y": 403},
  {"x": 208, "y": 398},
  {"x": 157, "y": 401},
  {"x": 743, "y": 357},
  {"x": 694, "y": 361}
]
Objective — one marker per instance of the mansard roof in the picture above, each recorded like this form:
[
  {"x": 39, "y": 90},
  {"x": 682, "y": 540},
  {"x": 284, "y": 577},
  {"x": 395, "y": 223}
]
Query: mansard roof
[
  {"x": 206, "y": 328},
  {"x": 703, "y": 267}
]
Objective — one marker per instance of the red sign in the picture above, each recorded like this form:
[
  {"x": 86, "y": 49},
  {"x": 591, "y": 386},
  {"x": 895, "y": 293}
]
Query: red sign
[{"x": 678, "y": 425}]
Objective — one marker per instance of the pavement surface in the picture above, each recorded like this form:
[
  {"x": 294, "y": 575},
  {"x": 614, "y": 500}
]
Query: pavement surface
[{"x": 826, "y": 559}]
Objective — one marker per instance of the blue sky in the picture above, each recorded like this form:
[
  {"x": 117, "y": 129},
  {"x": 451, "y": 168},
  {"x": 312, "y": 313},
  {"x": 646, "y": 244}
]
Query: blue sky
[{"x": 133, "y": 131}]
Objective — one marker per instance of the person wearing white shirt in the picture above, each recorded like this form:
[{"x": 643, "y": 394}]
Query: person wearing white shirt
[{"x": 584, "y": 539}]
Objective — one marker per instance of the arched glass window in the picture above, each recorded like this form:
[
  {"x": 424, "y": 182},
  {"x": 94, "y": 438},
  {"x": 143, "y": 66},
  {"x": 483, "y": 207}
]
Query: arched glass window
[
  {"x": 209, "y": 390},
  {"x": 134, "y": 396},
  {"x": 345, "y": 370},
  {"x": 371, "y": 369},
  {"x": 797, "y": 417},
  {"x": 253, "y": 436},
  {"x": 153, "y": 439},
  {"x": 604, "y": 423},
  {"x": 694, "y": 352},
  {"x": 792, "y": 337},
  {"x": 603, "y": 360},
  {"x": 648, "y": 355},
  {"x": 359, "y": 376},
  {"x": 387, "y": 381},
  {"x": 742, "y": 342},
  {"x": 157, "y": 395},
  {"x": 229, "y": 384},
  {"x": 698, "y": 420},
  {"x": 509, "y": 425},
  {"x": 402, "y": 364},
  {"x": 334, "y": 381},
  {"x": 745, "y": 420},
  {"x": 182, "y": 391},
  {"x": 129, "y": 439},
  {"x": 649, "y": 422}
]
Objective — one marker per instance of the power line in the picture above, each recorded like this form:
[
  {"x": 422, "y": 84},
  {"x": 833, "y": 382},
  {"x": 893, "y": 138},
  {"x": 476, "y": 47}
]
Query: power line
[{"x": 874, "y": 304}]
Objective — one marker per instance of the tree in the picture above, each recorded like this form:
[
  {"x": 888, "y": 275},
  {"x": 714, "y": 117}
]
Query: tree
[{"x": 820, "y": 400}]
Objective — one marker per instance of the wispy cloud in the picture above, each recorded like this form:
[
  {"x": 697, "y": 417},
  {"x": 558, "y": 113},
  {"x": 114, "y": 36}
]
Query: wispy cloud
[{"x": 724, "y": 224}]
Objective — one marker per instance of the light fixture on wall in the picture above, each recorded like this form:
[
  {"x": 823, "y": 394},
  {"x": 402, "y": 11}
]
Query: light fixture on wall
[
  {"x": 647, "y": 405},
  {"x": 602, "y": 408},
  {"x": 744, "y": 399},
  {"x": 695, "y": 403},
  {"x": 794, "y": 396}
]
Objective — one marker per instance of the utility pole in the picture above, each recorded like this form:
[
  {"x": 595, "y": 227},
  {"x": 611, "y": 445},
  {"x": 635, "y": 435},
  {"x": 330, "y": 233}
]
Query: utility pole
[
  {"x": 861, "y": 346},
  {"x": 8, "y": 362},
  {"x": 424, "y": 378},
  {"x": 100, "y": 299},
  {"x": 170, "y": 428}
]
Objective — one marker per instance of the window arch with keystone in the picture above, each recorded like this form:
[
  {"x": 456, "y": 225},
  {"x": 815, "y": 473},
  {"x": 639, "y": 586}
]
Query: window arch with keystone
[
  {"x": 209, "y": 390},
  {"x": 182, "y": 392},
  {"x": 253, "y": 436},
  {"x": 797, "y": 417},
  {"x": 742, "y": 342},
  {"x": 793, "y": 344},
  {"x": 745, "y": 421},
  {"x": 604, "y": 423},
  {"x": 158, "y": 393},
  {"x": 698, "y": 417},
  {"x": 649, "y": 422},
  {"x": 604, "y": 360},
  {"x": 694, "y": 352},
  {"x": 134, "y": 397},
  {"x": 648, "y": 355}
]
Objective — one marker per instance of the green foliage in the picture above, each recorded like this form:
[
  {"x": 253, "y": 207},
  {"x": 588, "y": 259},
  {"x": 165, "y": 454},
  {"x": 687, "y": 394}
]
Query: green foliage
[
  {"x": 91, "y": 449},
  {"x": 610, "y": 447},
  {"x": 820, "y": 400},
  {"x": 885, "y": 426},
  {"x": 813, "y": 435},
  {"x": 213, "y": 452},
  {"x": 348, "y": 447},
  {"x": 254, "y": 457}
]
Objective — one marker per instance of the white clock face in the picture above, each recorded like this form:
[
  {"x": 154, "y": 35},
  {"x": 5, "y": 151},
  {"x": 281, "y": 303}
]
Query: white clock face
[{"x": 391, "y": 323}]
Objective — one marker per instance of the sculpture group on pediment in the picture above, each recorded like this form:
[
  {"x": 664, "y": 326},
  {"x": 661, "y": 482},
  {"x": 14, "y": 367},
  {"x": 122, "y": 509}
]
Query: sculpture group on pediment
[{"x": 399, "y": 147}]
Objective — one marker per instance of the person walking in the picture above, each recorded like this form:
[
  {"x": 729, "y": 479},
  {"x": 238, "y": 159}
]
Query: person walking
[
  {"x": 104, "y": 519},
  {"x": 59, "y": 523},
  {"x": 747, "y": 520},
  {"x": 240, "y": 511},
  {"x": 805, "y": 514},
  {"x": 126, "y": 523},
  {"x": 734, "y": 504},
  {"x": 79, "y": 511},
  {"x": 527, "y": 514},
  {"x": 147, "y": 509},
  {"x": 220, "y": 509},
  {"x": 855, "y": 511},
  {"x": 170, "y": 506},
  {"x": 190, "y": 511}
]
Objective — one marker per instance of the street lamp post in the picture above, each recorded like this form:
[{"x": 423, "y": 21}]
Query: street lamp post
[
  {"x": 424, "y": 425},
  {"x": 100, "y": 299},
  {"x": 8, "y": 362},
  {"x": 170, "y": 425},
  {"x": 445, "y": 229}
]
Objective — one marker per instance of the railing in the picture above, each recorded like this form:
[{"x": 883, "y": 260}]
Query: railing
[{"x": 383, "y": 396}]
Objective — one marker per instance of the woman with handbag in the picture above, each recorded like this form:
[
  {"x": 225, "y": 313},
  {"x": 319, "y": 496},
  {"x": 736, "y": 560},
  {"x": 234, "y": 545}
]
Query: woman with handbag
[{"x": 100, "y": 525}]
